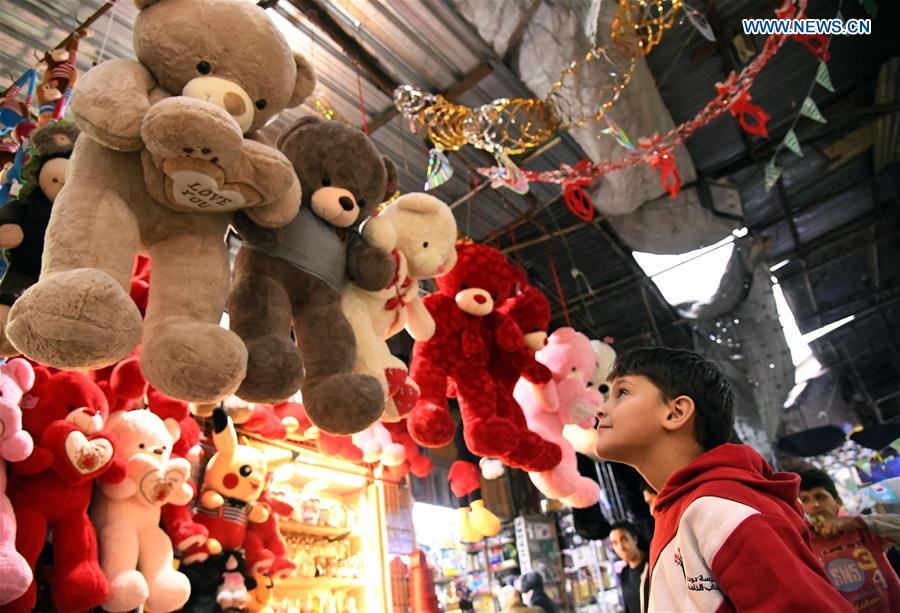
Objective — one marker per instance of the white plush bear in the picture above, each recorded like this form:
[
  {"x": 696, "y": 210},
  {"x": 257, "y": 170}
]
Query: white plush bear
[
  {"x": 582, "y": 439},
  {"x": 420, "y": 232},
  {"x": 376, "y": 444},
  {"x": 126, "y": 515}
]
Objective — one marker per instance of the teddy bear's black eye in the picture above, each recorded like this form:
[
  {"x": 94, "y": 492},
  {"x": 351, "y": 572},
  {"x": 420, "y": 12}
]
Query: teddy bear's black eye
[
  {"x": 204, "y": 67},
  {"x": 463, "y": 286},
  {"x": 425, "y": 245},
  {"x": 141, "y": 446},
  {"x": 261, "y": 104},
  {"x": 326, "y": 182},
  {"x": 361, "y": 203},
  {"x": 245, "y": 470}
]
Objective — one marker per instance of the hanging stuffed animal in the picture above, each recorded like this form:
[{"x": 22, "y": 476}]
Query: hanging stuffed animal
[
  {"x": 583, "y": 439},
  {"x": 419, "y": 231},
  {"x": 16, "y": 378},
  {"x": 60, "y": 75},
  {"x": 469, "y": 335},
  {"x": 378, "y": 447},
  {"x": 165, "y": 158},
  {"x": 135, "y": 553},
  {"x": 51, "y": 490},
  {"x": 294, "y": 276},
  {"x": 23, "y": 221},
  {"x": 264, "y": 546},
  {"x": 565, "y": 399},
  {"x": 475, "y": 520},
  {"x": 414, "y": 462}
]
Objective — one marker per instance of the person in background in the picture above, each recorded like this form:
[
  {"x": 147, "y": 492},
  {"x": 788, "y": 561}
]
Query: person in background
[
  {"x": 730, "y": 533},
  {"x": 511, "y": 601},
  {"x": 631, "y": 546},
  {"x": 851, "y": 548},
  {"x": 649, "y": 495},
  {"x": 532, "y": 588}
]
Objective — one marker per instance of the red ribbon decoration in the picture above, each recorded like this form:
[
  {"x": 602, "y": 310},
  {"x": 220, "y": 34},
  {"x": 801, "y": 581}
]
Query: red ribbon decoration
[
  {"x": 817, "y": 44},
  {"x": 576, "y": 198},
  {"x": 664, "y": 162},
  {"x": 753, "y": 118}
]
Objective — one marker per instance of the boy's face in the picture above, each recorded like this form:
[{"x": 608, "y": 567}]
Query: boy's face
[
  {"x": 818, "y": 501},
  {"x": 629, "y": 421}
]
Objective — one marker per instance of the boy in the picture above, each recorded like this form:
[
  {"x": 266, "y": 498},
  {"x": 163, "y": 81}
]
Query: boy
[
  {"x": 851, "y": 548},
  {"x": 729, "y": 531}
]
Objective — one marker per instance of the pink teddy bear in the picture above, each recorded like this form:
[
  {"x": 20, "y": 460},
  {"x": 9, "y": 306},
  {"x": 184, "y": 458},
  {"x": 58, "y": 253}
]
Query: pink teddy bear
[
  {"x": 16, "y": 378},
  {"x": 565, "y": 399}
]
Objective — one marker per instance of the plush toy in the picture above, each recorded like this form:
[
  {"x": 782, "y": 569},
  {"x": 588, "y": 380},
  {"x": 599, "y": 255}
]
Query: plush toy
[
  {"x": 234, "y": 479},
  {"x": 295, "y": 275},
  {"x": 378, "y": 447},
  {"x": 60, "y": 76},
  {"x": 264, "y": 421},
  {"x": 333, "y": 445},
  {"x": 23, "y": 221},
  {"x": 51, "y": 490},
  {"x": 16, "y": 378},
  {"x": 566, "y": 399},
  {"x": 583, "y": 439},
  {"x": 264, "y": 547},
  {"x": 475, "y": 520},
  {"x": 135, "y": 554},
  {"x": 530, "y": 309},
  {"x": 414, "y": 461},
  {"x": 161, "y": 166},
  {"x": 419, "y": 231},
  {"x": 469, "y": 335}
]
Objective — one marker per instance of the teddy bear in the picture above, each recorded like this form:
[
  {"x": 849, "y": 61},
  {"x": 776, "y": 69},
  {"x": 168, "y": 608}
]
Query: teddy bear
[
  {"x": 469, "y": 335},
  {"x": 23, "y": 221},
  {"x": 16, "y": 378},
  {"x": 414, "y": 462},
  {"x": 264, "y": 546},
  {"x": 58, "y": 82},
  {"x": 51, "y": 489},
  {"x": 530, "y": 309},
  {"x": 294, "y": 276},
  {"x": 233, "y": 481},
  {"x": 135, "y": 553},
  {"x": 378, "y": 447},
  {"x": 167, "y": 154},
  {"x": 420, "y": 232},
  {"x": 565, "y": 399},
  {"x": 476, "y": 521},
  {"x": 583, "y": 439}
]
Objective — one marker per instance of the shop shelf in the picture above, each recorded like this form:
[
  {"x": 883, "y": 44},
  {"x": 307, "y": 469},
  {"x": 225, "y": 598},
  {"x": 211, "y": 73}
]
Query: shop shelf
[
  {"x": 296, "y": 527},
  {"x": 332, "y": 584},
  {"x": 504, "y": 565}
]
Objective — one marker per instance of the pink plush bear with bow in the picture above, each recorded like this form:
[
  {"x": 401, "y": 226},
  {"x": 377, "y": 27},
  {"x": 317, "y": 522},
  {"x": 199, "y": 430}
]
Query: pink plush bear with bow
[
  {"x": 565, "y": 399},
  {"x": 16, "y": 378}
]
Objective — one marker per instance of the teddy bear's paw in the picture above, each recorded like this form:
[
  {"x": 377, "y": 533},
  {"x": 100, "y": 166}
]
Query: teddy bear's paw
[
  {"x": 81, "y": 587},
  {"x": 430, "y": 425},
  {"x": 194, "y": 361},
  {"x": 492, "y": 437},
  {"x": 274, "y": 369},
  {"x": 343, "y": 403},
  {"x": 16, "y": 574},
  {"x": 127, "y": 591},
  {"x": 80, "y": 318},
  {"x": 189, "y": 128},
  {"x": 168, "y": 592},
  {"x": 534, "y": 454}
]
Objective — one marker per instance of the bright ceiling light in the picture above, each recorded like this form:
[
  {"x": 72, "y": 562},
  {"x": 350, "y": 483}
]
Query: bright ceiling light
[
  {"x": 816, "y": 334},
  {"x": 778, "y": 265},
  {"x": 688, "y": 277}
]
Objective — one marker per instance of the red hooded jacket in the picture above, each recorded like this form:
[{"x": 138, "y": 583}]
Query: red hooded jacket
[{"x": 730, "y": 536}]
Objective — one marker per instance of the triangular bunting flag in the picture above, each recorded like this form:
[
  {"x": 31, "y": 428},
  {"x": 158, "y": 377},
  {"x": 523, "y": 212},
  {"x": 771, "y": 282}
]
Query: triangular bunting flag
[
  {"x": 823, "y": 78},
  {"x": 792, "y": 143},
  {"x": 773, "y": 173},
  {"x": 870, "y": 6},
  {"x": 810, "y": 109}
]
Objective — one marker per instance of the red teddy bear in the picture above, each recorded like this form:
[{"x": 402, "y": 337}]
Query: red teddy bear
[
  {"x": 264, "y": 548},
  {"x": 51, "y": 490},
  {"x": 530, "y": 309},
  {"x": 470, "y": 335}
]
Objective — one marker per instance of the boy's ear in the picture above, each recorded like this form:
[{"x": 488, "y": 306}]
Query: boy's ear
[{"x": 680, "y": 413}]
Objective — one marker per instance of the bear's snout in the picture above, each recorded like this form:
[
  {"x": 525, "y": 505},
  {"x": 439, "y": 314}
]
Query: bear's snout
[
  {"x": 225, "y": 94},
  {"x": 475, "y": 301},
  {"x": 335, "y": 205}
]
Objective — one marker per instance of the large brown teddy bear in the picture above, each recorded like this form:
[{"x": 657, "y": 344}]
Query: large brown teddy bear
[
  {"x": 162, "y": 164},
  {"x": 295, "y": 275}
]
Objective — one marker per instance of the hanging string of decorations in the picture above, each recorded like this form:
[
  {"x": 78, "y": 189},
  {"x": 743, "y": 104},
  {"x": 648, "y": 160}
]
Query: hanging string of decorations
[
  {"x": 732, "y": 95},
  {"x": 511, "y": 126}
]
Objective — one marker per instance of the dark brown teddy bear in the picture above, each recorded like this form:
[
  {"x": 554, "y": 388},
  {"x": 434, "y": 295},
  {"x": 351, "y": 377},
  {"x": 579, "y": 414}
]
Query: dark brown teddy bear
[{"x": 294, "y": 275}]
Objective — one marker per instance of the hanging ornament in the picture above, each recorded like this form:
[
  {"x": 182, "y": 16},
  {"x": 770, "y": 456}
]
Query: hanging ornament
[
  {"x": 772, "y": 174},
  {"x": 509, "y": 175},
  {"x": 618, "y": 133},
  {"x": 699, "y": 21},
  {"x": 809, "y": 109},
  {"x": 60, "y": 76},
  {"x": 439, "y": 168},
  {"x": 752, "y": 118},
  {"x": 823, "y": 77},
  {"x": 640, "y": 24},
  {"x": 792, "y": 142},
  {"x": 664, "y": 162},
  {"x": 575, "y": 195}
]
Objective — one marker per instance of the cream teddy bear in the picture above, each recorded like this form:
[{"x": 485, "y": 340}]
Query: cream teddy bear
[
  {"x": 126, "y": 515},
  {"x": 420, "y": 232}
]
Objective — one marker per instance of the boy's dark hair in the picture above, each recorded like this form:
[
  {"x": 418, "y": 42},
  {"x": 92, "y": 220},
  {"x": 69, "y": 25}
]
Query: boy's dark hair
[
  {"x": 643, "y": 542},
  {"x": 812, "y": 478},
  {"x": 677, "y": 372}
]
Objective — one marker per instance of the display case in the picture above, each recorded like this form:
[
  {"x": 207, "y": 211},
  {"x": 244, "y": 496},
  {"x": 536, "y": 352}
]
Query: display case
[{"x": 590, "y": 570}]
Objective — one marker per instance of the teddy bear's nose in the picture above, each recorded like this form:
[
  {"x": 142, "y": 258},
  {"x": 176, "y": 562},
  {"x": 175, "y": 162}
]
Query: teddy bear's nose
[
  {"x": 480, "y": 298},
  {"x": 234, "y": 104},
  {"x": 346, "y": 203}
]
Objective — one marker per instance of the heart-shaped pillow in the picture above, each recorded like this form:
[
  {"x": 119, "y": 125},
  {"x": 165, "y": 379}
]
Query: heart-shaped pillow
[
  {"x": 88, "y": 455},
  {"x": 157, "y": 486}
]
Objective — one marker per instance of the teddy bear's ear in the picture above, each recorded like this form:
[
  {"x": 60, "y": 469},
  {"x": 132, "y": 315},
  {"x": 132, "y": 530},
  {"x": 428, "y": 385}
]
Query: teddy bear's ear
[
  {"x": 418, "y": 202},
  {"x": 301, "y": 124},
  {"x": 21, "y": 371},
  {"x": 173, "y": 428},
  {"x": 392, "y": 180},
  {"x": 305, "y": 82}
]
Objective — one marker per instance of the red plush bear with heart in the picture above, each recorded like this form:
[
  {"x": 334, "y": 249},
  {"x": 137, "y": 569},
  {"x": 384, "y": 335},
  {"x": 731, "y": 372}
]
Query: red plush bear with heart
[
  {"x": 51, "y": 490},
  {"x": 470, "y": 335}
]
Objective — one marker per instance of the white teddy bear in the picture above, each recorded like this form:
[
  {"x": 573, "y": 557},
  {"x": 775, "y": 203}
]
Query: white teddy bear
[
  {"x": 135, "y": 553},
  {"x": 582, "y": 439},
  {"x": 420, "y": 232}
]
